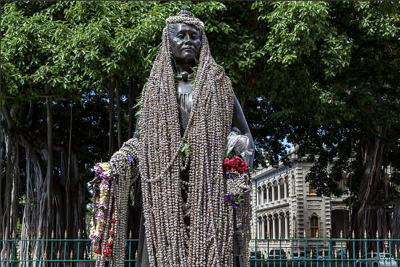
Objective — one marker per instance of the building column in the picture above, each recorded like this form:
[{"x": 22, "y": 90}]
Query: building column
[
  {"x": 286, "y": 226},
  {"x": 267, "y": 188},
  {"x": 268, "y": 227}
]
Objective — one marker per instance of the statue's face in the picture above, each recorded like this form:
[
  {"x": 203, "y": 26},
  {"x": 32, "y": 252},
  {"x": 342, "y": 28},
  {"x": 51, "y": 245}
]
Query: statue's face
[{"x": 185, "y": 42}]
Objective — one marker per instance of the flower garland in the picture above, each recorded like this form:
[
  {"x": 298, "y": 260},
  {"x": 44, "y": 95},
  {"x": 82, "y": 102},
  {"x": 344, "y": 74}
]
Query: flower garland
[
  {"x": 237, "y": 180},
  {"x": 101, "y": 209},
  {"x": 110, "y": 204},
  {"x": 235, "y": 169}
]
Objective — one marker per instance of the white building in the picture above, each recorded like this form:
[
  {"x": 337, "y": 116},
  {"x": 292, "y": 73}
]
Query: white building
[{"x": 286, "y": 207}]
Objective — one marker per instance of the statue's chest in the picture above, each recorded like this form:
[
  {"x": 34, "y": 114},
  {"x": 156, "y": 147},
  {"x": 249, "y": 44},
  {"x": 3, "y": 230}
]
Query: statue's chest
[{"x": 185, "y": 101}]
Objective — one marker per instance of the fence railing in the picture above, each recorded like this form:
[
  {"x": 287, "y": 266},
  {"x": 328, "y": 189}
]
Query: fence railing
[
  {"x": 55, "y": 252},
  {"x": 332, "y": 252},
  {"x": 290, "y": 252}
]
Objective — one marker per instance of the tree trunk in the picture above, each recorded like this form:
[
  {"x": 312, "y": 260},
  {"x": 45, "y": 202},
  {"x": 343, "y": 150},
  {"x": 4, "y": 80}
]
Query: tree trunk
[
  {"x": 47, "y": 196},
  {"x": 365, "y": 219},
  {"x": 10, "y": 182},
  {"x": 119, "y": 133},
  {"x": 111, "y": 121},
  {"x": 49, "y": 174},
  {"x": 395, "y": 226},
  {"x": 2, "y": 178},
  {"x": 132, "y": 99},
  {"x": 131, "y": 102},
  {"x": 67, "y": 177},
  {"x": 372, "y": 174}
]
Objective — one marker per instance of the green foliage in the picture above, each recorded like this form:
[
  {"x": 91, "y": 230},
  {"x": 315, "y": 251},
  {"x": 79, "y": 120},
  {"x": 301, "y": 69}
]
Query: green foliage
[
  {"x": 68, "y": 48},
  {"x": 333, "y": 81},
  {"x": 295, "y": 28}
]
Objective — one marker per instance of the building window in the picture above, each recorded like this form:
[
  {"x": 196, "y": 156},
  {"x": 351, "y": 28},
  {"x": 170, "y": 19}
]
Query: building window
[
  {"x": 293, "y": 187},
  {"x": 276, "y": 227},
  {"x": 275, "y": 192},
  {"x": 314, "y": 226},
  {"x": 287, "y": 188},
  {"x": 270, "y": 189},
  {"x": 271, "y": 227},
  {"x": 265, "y": 228},
  {"x": 283, "y": 226},
  {"x": 265, "y": 195},
  {"x": 312, "y": 190},
  {"x": 282, "y": 191}
]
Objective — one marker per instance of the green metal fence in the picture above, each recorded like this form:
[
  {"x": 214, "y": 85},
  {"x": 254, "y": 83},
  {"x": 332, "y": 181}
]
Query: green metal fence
[
  {"x": 55, "y": 252},
  {"x": 290, "y": 252},
  {"x": 332, "y": 252}
]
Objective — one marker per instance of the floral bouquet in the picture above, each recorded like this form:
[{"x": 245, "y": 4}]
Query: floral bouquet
[{"x": 236, "y": 169}]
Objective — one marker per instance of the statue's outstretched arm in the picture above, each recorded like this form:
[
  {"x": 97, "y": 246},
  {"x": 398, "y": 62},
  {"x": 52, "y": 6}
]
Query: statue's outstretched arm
[
  {"x": 110, "y": 203},
  {"x": 239, "y": 122}
]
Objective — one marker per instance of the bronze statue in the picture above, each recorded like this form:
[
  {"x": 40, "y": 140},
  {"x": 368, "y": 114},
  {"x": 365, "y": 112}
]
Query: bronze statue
[{"x": 179, "y": 151}]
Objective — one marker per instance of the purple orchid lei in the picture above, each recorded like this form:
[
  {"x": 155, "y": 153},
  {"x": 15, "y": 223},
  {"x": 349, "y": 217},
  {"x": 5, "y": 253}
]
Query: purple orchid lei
[{"x": 236, "y": 199}]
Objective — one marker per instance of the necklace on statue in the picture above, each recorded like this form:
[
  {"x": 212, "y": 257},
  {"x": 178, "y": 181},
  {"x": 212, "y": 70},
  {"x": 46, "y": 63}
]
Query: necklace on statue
[{"x": 185, "y": 76}]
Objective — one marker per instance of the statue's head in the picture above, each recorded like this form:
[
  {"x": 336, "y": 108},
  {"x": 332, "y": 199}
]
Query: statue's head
[
  {"x": 185, "y": 42},
  {"x": 185, "y": 32}
]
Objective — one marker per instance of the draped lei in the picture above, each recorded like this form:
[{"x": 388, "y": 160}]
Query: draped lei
[{"x": 207, "y": 241}]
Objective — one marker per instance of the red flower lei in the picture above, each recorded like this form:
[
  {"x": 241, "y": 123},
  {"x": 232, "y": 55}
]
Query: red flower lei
[{"x": 235, "y": 164}]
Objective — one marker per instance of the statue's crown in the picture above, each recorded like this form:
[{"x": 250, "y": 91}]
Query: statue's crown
[
  {"x": 185, "y": 16},
  {"x": 185, "y": 12}
]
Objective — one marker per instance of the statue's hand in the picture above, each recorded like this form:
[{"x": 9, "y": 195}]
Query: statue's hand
[
  {"x": 125, "y": 157},
  {"x": 118, "y": 162}
]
